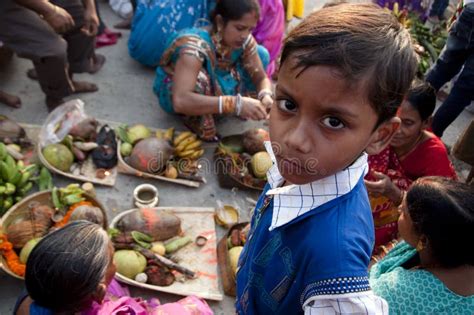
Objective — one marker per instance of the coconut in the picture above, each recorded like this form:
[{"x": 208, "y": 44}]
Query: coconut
[
  {"x": 129, "y": 263},
  {"x": 59, "y": 156},
  {"x": 253, "y": 140},
  {"x": 261, "y": 163},
  {"x": 151, "y": 155}
]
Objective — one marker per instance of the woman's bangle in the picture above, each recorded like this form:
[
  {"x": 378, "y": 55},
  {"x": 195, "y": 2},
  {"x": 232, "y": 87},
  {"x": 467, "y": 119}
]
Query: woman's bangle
[
  {"x": 238, "y": 107},
  {"x": 220, "y": 105},
  {"x": 228, "y": 104},
  {"x": 263, "y": 93}
]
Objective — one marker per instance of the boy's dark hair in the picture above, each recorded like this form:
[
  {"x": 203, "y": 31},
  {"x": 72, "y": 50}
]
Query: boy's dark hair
[
  {"x": 422, "y": 97},
  {"x": 364, "y": 43},
  {"x": 443, "y": 211},
  {"x": 232, "y": 10},
  {"x": 66, "y": 266}
]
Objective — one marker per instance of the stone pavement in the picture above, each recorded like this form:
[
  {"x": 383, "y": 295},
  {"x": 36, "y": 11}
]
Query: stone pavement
[{"x": 126, "y": 95}]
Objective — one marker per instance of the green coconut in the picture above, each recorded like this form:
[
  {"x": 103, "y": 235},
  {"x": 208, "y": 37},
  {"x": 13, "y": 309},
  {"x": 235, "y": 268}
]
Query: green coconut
[
  {"x": 129, "y": 263},
  {"x": 59, "y": 156}
]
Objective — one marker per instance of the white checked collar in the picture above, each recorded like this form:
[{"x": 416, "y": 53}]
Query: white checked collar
[{"x": 290, "y": 202}]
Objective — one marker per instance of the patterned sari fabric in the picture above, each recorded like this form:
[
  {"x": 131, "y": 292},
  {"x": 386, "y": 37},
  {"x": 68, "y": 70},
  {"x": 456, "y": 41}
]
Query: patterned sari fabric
[
  {"x": 414, "y": 291},
  {"x": 154, "y": 21},
  {"x": 385, "y": 213},
  {"x": 222, "y": 72}
]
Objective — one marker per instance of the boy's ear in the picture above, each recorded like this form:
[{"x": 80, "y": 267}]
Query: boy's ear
[
  {"x": 99, "y": 293},
  {"x": 382, "y": 135}
]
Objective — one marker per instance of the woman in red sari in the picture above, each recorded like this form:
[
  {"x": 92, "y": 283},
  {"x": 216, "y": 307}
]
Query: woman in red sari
[{"x": 414, "y": 152}]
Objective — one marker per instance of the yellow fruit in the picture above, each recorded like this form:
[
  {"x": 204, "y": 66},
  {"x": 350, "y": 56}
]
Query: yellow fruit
[
  {"x": 181, "y": 137},
  {"x": 234, "y": 254},
  {"x": 158, "y": 248},
  {"x": 260, "y": 163},
  {"x": 193, "y": 145},
  {"x": 197, "y": 154},
  {"x": 182, "y": 145},
  {"x": 171, "y": 172},
  {"x": 187, "y": 153},
  {"x": 169, "y": 133}
]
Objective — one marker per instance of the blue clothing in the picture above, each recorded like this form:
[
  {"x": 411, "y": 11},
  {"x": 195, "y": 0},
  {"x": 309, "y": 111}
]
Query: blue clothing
[
  {"x": 325, "y": 251},
  {"x": 154, "y": 21},
  {"x": 222, "y": 81},
  {"x": 456, "y": 57}
]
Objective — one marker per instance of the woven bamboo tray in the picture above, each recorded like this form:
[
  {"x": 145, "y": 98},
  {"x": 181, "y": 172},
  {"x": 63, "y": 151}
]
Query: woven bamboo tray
[
  {"x": 203, "y": 260},
  {"x": 21, "y": 210}
]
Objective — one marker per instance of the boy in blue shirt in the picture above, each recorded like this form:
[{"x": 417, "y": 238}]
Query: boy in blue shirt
[{"x": 344, "y": 72}]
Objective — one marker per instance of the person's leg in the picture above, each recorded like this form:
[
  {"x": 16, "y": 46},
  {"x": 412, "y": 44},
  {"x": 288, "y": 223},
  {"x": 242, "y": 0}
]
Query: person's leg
[
  {"x": 29, "y": 36},
  {"x": 81, "y": 47},
  {"x": 461, "y": 96},
  {"x": 458, "y": 47}
]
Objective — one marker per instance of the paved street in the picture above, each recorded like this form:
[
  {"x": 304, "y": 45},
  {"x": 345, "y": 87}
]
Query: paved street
[{"x": 126, "y": 95}]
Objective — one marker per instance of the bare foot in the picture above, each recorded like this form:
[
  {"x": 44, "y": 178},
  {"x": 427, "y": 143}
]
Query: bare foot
[
  {"x": 10, "y": 100},
  {"x": 84, "y": 87},
  {"x": 96, "y": 63},
  {"x": 125, "y": 24}
]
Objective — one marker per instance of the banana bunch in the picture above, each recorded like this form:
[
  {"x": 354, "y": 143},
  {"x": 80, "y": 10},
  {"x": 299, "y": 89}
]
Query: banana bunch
[
  {"x": 188, "y": 146},
  {"x": 16, "y": 179}
]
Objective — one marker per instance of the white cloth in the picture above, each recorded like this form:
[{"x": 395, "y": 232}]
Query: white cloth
[
  {"x": 121, "y": 7},
  {"x": 289, "y": 202},
  {"x": 360, "y": 303}
]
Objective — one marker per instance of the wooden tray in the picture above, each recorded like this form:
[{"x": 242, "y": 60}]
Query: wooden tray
[
  {"x": 87, "y": 168},
  {"x": 20, "y": 209},
  {"x": 203, "y": 260},
  {"x": 124, "y": 168}
]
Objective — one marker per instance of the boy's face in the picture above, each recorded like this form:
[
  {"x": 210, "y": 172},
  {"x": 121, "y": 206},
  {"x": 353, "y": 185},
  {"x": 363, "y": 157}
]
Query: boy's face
[{"x": 319, "y": 124}]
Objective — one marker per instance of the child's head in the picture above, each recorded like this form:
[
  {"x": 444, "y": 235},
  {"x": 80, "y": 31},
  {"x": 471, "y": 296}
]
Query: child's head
[
  {"x": 70, "y": 268},
  {"x": 438, "y": 216},
  {"x": 344, "y": 72},
  {"x": 415, "y": 114}
]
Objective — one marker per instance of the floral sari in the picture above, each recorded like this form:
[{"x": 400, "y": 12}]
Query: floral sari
[{"x": 221, "y": 74}]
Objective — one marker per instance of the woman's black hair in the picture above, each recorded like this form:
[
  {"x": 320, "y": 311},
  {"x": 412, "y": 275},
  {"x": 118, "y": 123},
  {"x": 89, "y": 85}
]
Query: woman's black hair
[
  {"x": 443, "y": 211},
  {"x": 232, "y": 10},
  {"x": 422, "y": 96},
  {"x": 66, "y": 266}
]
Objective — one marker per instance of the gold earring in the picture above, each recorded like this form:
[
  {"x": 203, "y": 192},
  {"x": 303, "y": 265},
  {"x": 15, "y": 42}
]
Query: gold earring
[{"x": 419, "y": 246}]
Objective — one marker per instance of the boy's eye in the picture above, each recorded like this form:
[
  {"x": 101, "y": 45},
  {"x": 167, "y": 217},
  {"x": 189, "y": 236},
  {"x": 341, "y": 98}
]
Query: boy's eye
[
  {"x": 286, "y": 106},
  {"x": 333, "y": 123}
]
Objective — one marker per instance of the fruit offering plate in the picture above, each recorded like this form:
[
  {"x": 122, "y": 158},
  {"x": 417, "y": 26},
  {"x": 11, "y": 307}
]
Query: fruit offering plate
[
  {"x": 233, "y": 165},
  {"x": 195, "y": 221},
  {"x": 171, "y": 146},
  {"x": 85, "y": 169}
]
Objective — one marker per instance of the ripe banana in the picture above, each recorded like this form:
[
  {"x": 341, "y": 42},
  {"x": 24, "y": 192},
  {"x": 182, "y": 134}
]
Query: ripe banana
[{"x": 182, "y": 136}]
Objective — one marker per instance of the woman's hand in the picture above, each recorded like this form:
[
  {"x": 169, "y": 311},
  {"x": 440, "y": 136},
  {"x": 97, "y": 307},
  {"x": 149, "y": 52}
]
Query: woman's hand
[
  {"x": 252, "y": 109},
  {"x": 267, "y": 102},
  {"x": 59, "y": 19},
  {"x": 384, "y": 186}
]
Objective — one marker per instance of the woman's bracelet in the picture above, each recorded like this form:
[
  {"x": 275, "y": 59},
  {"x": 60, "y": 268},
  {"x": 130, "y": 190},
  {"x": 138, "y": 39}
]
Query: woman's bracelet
[
  {"x": 220, "y": 105},
  {"x": 228, "y": 104},
  {"x": 238, "y": 107},
  {"x": 263, "y": 93}
]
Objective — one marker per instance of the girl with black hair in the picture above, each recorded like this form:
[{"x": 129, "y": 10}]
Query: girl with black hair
[{"x": 432, "y": 270}]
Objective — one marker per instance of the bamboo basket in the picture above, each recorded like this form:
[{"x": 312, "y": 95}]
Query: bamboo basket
[
  {"x": 20, "y": 210},
  {"x": 125, "y": 168},
  {"x": 194, "y": 221}
]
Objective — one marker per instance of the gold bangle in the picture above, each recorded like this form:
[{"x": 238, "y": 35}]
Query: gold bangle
[{"x": 228, "y": 104}]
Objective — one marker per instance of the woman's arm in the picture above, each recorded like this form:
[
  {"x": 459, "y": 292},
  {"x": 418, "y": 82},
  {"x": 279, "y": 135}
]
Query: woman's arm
[
  {"x": 253, "y": 66},
  {"x": 186, "y": 101}
]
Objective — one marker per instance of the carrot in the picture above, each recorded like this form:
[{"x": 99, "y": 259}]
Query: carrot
[
  {"x": 68, "y": 214},
  {"x": 13, "y": 261}
]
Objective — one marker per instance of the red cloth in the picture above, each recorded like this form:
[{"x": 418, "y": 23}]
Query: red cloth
[{"x": 429, "y": 158}]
